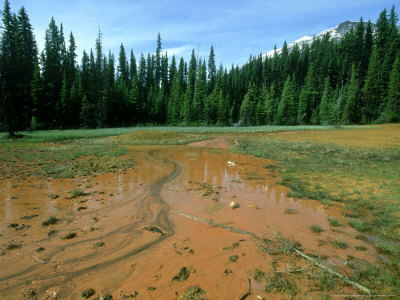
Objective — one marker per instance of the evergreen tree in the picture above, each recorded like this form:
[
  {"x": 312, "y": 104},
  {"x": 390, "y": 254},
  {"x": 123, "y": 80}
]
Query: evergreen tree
[
  {"x": 248, "y": 107},
  {"x": 308, "y": 97},
  {"x": 287, "y": 109},
  {"x": 325, "y": 108},
  {"x": 10, "y": 101},
  {"x": 261, "y": 110},
  {"x": 200, "y": 93},
  {"x": 52, "y": 60},
  {"x": 27, "y": 58},
  {"x": 392, "y": 110},
  {"x": 36, "y": 91},
  {"x": 370, "y": 91},
  {"x": 98, "y": 88},
  {"x": 158, "y": 62},
  {"x": 271, "y": 106},
  {"x": 76, "y": 96},
  {"x": 350, "y": 113},
  {"x": 212, "y": 70},
  {"x": 174, "y": 103},
  {"x": 189, "y": 93},
  {"x": 123, "y": 67},
  {"x": 132, "y": 66},
  {"x": 134, "y": 99}
]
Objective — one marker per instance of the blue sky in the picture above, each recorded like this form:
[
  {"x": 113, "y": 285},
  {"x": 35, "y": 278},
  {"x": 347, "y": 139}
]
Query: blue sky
[{"x": 235, "y": 28}]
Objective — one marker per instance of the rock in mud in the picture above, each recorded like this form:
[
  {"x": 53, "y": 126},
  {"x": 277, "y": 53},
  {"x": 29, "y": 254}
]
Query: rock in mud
[{"x": 234, "y": 205}]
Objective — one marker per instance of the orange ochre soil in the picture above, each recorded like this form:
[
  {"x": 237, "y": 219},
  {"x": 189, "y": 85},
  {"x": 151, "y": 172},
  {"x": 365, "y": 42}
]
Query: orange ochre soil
[{"x": 129, "y": 238}]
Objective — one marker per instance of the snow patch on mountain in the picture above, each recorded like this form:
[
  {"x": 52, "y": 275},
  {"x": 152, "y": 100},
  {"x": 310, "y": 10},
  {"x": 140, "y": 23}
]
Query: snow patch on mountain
[{"x": 336, "y": 33}]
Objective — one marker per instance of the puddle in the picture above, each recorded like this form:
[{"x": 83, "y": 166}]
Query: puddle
[{"x": 110, "y": 249}]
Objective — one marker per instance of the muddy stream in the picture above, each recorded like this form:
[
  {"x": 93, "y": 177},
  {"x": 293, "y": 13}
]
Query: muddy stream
[{"x": 123, "y": 235}]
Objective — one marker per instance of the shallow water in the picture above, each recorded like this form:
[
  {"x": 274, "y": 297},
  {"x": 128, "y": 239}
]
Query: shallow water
[{"x": 119, "y": 208}]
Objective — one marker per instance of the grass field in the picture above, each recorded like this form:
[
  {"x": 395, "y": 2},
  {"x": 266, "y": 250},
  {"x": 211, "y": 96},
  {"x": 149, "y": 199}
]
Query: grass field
[{"x": 59, "y": 135}]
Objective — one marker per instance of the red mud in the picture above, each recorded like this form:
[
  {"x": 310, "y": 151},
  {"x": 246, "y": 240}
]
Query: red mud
[{"x": 119, "y": 208}]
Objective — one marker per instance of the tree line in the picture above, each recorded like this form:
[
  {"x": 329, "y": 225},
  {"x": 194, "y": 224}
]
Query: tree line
[{"x": 352, "y": 81}]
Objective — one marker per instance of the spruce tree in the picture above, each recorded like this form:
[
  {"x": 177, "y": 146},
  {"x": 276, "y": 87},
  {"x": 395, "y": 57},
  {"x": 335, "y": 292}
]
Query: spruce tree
[
  {"x": 350, "y": 112},
  {"x": 158, "y": 70},
  {"x": 261, "y": 110},
  {"x": 132, "y": 66},
  {"x": 287, "y": 109},
  {"x": 36, "y": 91},
  {"x": 52, "y": 60},
  {"x": 27, "y": 58},
  {"x": 325, "y": 108},
  {"x": 123, "y": 67},
  {"x": 212, "y": 70},
  {"x": 370, "y": 92},
  {"x": 308, "y": 97},
  {"x": 200, "y": 93},
  {"x": 9, "y": 99},
  {"x": 248, "y": 107},
  {"x": 392, "y": 110}
]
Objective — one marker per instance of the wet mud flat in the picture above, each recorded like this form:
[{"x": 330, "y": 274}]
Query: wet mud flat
[{"x": 132, "y": 233}]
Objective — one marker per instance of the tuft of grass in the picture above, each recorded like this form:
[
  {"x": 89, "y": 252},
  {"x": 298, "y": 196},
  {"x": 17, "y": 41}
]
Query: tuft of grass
[
  {"x": 360, "y": 226},
  {"x": 316, "y": 228},
  {"x": 326, "y": 280},
  {"x": 51, "y": 221},
  {"x": 233, "y": 258},
  {"x": 87, "y": 293},
  {"x": 280, "y": 284},
  {"x": 259, "y": 276},
  {"x": 98, "y": 244},
  {"x": 193, "y": 293},
  {"x": 70, "y": 235},
  {"x": 51, "y": 233},
  {"x": 290, "y": 211},
  {"x": 13, "y": 245},
  {"x": 360, "y": 248},
  {"x": 389, "y": 248},
  {"x": 53, "y": 196},
  {"x": 334, "y": 222},
  {"x": 77, "y": 193},
  {"x": 340, "y": 244},
  {"x": 28, "y": 217},
  {"x": 183, "y": 275}
]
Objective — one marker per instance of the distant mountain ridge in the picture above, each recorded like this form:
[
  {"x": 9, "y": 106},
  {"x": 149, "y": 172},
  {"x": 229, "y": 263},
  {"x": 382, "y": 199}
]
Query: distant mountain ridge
[{"x": 336, "y": 33}]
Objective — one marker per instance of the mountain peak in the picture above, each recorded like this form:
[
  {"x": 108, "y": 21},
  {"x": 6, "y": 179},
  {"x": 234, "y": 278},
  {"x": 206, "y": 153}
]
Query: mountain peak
[{"x": 336, "y": 33}]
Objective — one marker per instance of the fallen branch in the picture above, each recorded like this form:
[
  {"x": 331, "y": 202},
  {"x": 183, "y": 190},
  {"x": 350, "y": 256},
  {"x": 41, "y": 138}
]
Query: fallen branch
[
  {"x": 333, "y": 272},
  {"x": 290, "y": 246},
  {"x": 214, "y": 224}
]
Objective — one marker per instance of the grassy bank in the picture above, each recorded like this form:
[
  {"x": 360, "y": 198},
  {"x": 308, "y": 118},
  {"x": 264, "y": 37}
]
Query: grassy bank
[
  {"x": 60, "y": 135},
  {"x": 366, "y": 180}
]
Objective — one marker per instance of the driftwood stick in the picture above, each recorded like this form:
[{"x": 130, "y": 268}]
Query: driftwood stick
[
  {"x": 305, "y": 256},
  {"x": 214, "y": 224},
  {"x": 333, "y": 272}
]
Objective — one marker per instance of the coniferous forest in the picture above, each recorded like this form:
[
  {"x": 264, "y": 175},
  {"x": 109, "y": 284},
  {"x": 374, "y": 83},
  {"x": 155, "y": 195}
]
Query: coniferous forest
[{"x": 352, "y": 81}]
